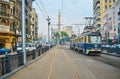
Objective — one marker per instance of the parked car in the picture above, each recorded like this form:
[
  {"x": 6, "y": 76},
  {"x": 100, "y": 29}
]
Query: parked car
[
  {"x": 29, "y": 47},
  {"x": 4, "y": 51}
]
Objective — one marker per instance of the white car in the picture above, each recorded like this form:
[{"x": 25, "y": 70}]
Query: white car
[{"x": 29, "y": 47}]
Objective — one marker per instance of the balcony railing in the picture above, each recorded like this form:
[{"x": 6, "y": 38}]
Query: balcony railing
[{"x": 4, "y": 14}]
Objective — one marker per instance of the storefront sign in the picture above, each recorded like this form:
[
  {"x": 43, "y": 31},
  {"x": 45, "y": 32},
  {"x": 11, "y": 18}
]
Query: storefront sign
[{"x": 4, "y": 28}]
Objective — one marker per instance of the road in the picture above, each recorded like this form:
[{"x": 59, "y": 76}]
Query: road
[{"x": 63, "y": 63}]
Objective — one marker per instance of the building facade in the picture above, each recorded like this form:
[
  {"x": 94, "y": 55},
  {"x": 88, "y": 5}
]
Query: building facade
[
  {"x": 11, "y": 22},
  {"x": 110, "y": 25},
  {"x": 99, "y": 8},
  {"x": 96, "y": 14},
  {"x": 34, "y": 26},
  {"x": 16, "y": 21},
  {"x": 28, "y": 23},
  {"x": 68, "y": 30},
  {"x": 117, "y": 9},
  {"x": 6, "y": 35}
]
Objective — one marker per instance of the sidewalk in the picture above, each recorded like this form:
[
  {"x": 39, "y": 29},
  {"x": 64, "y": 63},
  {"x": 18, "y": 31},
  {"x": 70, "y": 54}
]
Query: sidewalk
[{"x": 36, "y": 69}]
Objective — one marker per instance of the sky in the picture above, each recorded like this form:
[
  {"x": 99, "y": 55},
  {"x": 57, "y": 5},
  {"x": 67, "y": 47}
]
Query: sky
[{"x": 73, "y": 12}]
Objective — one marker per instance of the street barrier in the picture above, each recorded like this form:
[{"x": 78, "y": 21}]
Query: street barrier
[
  {"x": 10, "y": 62},
  {"x": 111, "y": 50}
]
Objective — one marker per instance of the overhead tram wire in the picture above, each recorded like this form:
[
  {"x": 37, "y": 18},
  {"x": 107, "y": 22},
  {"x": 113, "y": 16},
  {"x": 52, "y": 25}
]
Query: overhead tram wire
[
  {"x": 43, "y": 7},
  {"x": 41, "y": 10}
]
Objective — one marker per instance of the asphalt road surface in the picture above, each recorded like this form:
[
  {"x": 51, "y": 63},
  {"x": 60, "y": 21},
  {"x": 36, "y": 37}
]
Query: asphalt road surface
[{"x": 63, "y": 63}]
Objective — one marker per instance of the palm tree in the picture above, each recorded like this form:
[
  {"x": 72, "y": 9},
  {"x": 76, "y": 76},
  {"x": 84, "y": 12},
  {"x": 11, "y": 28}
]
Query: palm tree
[
  {"x": 57, "y": 35},
  {"x": 64, "y": 34}
]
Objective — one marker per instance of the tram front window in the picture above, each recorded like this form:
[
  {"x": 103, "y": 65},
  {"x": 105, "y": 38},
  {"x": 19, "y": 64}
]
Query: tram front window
[{"x": 95, "y": 39}]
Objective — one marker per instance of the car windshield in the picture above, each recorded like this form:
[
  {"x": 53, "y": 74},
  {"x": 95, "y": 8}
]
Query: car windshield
[
  {"x": 95, "y": 39},
  {"x": 20, "y": 45}
]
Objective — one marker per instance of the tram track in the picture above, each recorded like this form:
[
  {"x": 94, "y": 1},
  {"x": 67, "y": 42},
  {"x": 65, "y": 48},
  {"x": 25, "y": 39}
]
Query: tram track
[
  {"x": 50, "y": 76},
  {"x": 67, "y": 60},
  {"x": 75, "y": 72},
  {"x": 108, "y": 59}
]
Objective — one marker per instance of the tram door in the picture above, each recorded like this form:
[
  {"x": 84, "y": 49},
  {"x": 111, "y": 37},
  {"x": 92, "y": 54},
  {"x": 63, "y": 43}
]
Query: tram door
[{"x": 1, "y": 43}]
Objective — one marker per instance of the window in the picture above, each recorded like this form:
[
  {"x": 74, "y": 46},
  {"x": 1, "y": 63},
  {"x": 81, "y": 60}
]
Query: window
[
  {"x": 119, "y": 17},
  {"x": 33, "y": 19},
  {"x": 110, "y": 1},
  {"x": 105, "y": 6},
  {"x": 95, "y": 39},
  {"x": 11, "y": 10},
  {"x": 3, "y": 22},
  {"x": 109, "y": 6},
  {"x": 3, "y": 9},
  {"x": 105, "y": 1},
  {"x": 119, "y": 28}
]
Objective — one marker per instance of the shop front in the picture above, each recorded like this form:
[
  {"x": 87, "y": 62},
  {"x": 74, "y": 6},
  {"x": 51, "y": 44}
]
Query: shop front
[{"x": 6, "y": 40}]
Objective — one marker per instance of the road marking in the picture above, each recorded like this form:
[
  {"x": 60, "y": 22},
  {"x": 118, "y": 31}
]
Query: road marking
[
  {"x": 76, "y": 73},
  {"x": 50, "y": 76}
]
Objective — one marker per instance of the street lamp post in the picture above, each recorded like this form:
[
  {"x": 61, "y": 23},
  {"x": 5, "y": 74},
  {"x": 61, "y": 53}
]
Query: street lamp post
[
  {"x": 23, "y": 32},
  {"x": 48, "y": 19}
]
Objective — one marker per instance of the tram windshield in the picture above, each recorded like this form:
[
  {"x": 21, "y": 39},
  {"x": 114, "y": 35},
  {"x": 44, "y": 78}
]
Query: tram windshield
[{"x": 95, "y": 39}]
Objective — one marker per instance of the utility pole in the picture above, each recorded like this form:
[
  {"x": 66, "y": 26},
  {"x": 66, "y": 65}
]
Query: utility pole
[
  {"x": 48, "y": 19},
  {"x": 59, "y": 23},
  {"x": 23, "y": 32}
]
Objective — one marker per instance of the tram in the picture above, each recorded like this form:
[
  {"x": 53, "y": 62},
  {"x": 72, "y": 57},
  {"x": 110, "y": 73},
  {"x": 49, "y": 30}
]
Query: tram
[{"x": 88, "y": 43}]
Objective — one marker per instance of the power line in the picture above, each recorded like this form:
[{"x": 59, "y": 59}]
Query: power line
[
  {"x": 41, "y": 10},
  {"x": 43, "y": 7}
]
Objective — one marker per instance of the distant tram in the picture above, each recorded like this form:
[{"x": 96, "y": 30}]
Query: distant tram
[{"x": 88, "y": 43}]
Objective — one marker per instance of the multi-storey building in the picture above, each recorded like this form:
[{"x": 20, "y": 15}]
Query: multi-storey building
[
  {"x": 99, "y": 8},
  {"x": 96, "y": 14},
  {"x": 16, "y": 20},
  {"x": 11, "y": 23},
  {"x": 34, "y": 26},
  {"x": 28, "y": 9},
  {"x": 110, "y": 25},
  {"x": 6, "y": 35}
]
